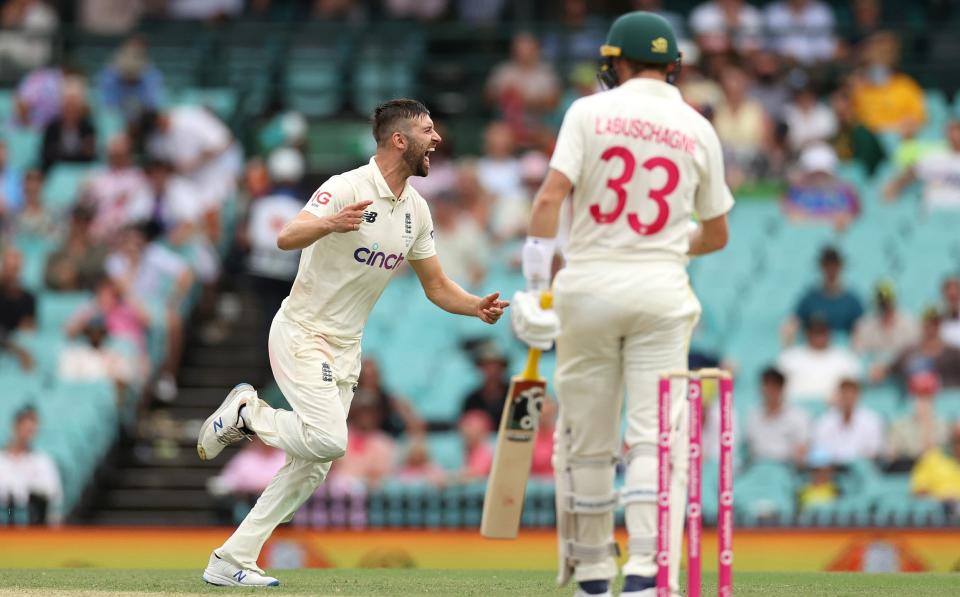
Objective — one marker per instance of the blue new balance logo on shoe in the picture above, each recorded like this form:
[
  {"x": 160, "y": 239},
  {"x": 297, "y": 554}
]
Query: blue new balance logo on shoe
[
  {"x": 239, "y": 575},
  {"x": 218, "y": 424}
]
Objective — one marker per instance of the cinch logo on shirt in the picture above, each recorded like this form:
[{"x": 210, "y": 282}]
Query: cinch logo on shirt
[{"x": 376, "y": 258}]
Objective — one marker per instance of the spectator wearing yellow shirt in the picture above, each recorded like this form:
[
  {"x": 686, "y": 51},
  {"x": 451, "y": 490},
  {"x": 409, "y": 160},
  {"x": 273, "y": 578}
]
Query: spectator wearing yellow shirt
[
  {"x": 883, "y": 99},
  {"x": 821, "y": 488},
  {"x": 937, "y": 473}
]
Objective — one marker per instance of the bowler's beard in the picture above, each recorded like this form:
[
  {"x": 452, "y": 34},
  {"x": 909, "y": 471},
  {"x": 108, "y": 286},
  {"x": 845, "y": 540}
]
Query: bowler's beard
[{"x": 414, "y": 158}]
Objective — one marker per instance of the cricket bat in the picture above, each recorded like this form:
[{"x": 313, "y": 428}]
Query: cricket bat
[{"x": 507, "y": 484}]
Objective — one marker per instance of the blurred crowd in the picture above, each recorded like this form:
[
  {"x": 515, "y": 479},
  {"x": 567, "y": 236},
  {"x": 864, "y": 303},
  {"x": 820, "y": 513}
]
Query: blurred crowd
[
  {"x": 798, "y": 101},
  {"x": 812, "y": 415}
]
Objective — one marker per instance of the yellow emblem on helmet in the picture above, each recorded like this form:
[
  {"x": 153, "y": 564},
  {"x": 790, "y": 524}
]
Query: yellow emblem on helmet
[{"x": 659, "y": 45}]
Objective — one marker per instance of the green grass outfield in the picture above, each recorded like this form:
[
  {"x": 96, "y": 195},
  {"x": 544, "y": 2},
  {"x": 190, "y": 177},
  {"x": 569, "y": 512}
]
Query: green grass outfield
[{"x": 409, "y": 583}]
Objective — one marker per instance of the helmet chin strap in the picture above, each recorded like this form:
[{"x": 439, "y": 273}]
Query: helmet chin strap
[
  {"x": 678, "y": 63},
  {"x": 607, "y": 75}
]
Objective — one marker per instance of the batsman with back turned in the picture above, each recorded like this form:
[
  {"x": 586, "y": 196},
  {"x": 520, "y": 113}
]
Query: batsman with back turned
[{"x": 639, "y": 164}]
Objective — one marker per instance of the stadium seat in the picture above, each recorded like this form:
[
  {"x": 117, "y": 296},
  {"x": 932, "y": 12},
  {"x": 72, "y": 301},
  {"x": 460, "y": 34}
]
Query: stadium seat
[
  {"x": 453, "y": 377},
  {"x": 44, "y": 347},
  {"x": 221, "y": 100},
  {"x": 108, "y": 124},
  {"x": 54, "y": 309},
  {"x": 885, "y": 399},
  {"x": 947, "y": 404},
  {"x": 23, "y": 148},
  {"x": 35, "y": 250},
  {"x": 6, "y": 104},
  {"x": 61, "y": 188},
  {"x": 446, "y": 449},
  {"x": 18, "y": 389}
]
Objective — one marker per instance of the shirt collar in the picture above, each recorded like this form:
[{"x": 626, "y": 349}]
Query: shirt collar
[
  {"x": 382, "y": 187},
  {"x": 652, "y": 87}
]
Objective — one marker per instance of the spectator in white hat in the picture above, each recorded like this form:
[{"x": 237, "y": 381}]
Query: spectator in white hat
[
  {"x": 817, "y": 194},
  {"x": 272, "y": 270}
]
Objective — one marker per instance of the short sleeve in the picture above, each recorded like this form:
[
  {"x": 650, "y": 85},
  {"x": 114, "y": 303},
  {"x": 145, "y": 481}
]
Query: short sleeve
[
  {"x": 701, "y": 20},
  {"x": 182, "y": 202},
  {"x": 116, "y": 266},
  {"x": 332, "y": 196},
  {"x": 568, "y": 154},
  {"x": 423, "y": 246},
  {"x": 925, "y": 168},
  {"x": 852, "y": 366},
  {"x": 165, "y": 261},
  {"x": 215, "y": 134},
  {"x": 804, "y": 424},
  {"x": 713, "y": 198}
]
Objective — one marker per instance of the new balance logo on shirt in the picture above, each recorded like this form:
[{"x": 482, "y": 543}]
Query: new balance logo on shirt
[{"x": 369, "y": 217}]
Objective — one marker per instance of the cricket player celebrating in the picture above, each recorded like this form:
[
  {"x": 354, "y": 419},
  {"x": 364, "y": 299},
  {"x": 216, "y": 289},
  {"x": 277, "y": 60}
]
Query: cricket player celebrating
[
  {"x": 355, "y": 231},
  {"x": 640, "y": 163}
]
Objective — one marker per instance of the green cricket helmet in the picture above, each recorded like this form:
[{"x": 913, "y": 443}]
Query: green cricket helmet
[{"x": 643, "y": 36}]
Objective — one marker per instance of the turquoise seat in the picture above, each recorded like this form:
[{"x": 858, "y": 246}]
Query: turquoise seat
[
  {"x": 79, "y": 441},
  {"x": 885, "y": 400},
  {"x": 763, "y": 494},
  {"x": 6, "y": 104},
  {"x": 35, "y": 250},
  {"x": 454, "y": 378},
  {"x": 221, "y": 100},
  {"x": 62, "y": 186},
  {"x": 54, "y": 309},
  {"x": 108, "y": 123},
  {"x": 23, "y": 148},
  {"x": 446, "y": 449},
  {"x": 947, "y": 404},
  {"x": 314, "y": 88},
  {"x": 44, "y": 347},
  {"x": 18, "y": 389}
]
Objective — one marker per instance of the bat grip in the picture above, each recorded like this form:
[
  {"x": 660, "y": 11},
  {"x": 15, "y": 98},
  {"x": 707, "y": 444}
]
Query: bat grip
[
  {"x": 533, "y": 355},
  {"x": 533, "y": 364}
]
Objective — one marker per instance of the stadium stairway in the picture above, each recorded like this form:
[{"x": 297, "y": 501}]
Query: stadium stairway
[{"x": 154, "y": 476}]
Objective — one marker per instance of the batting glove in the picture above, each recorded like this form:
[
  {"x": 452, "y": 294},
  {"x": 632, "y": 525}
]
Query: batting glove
[{"x": 535, "y": 326}]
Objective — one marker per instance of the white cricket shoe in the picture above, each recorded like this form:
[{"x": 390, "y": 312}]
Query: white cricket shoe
[
  {"x": 224, "y": 574},
  {"x": 224, "y": 426}
]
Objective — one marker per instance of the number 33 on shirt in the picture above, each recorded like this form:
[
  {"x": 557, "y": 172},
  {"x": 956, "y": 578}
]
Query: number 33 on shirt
[{"x": 642, "y": 163}]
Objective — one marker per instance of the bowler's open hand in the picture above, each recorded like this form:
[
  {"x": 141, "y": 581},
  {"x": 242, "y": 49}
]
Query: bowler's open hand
[{"x": 490, "y": 308}]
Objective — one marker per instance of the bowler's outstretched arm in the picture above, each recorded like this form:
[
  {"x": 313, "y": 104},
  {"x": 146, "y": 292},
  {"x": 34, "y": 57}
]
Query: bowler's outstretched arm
[
  {"x": 449, "y": 296},
  {"x": 306, "y": 228}
]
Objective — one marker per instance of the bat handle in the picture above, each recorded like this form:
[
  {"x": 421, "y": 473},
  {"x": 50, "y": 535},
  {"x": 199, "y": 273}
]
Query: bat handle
[
  {"x": 546, "y": 299},
  {"x": 533, "y": 355}
]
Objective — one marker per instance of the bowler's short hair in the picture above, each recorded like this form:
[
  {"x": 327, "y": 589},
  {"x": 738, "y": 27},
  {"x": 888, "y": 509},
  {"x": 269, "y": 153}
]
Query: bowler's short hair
[{"x": 388, "y": 114}]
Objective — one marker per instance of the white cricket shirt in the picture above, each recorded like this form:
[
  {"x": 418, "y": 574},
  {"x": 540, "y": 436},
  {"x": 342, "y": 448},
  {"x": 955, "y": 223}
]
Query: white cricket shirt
[
  {"x": 642, "y": 162},
  {"x": 342, "y": 275}
]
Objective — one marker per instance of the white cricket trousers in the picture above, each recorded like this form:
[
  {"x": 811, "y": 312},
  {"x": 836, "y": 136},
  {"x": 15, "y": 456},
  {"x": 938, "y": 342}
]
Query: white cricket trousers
[
  {"x": 621, "y": 326},
  {"x": 317, "y": 377}
]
